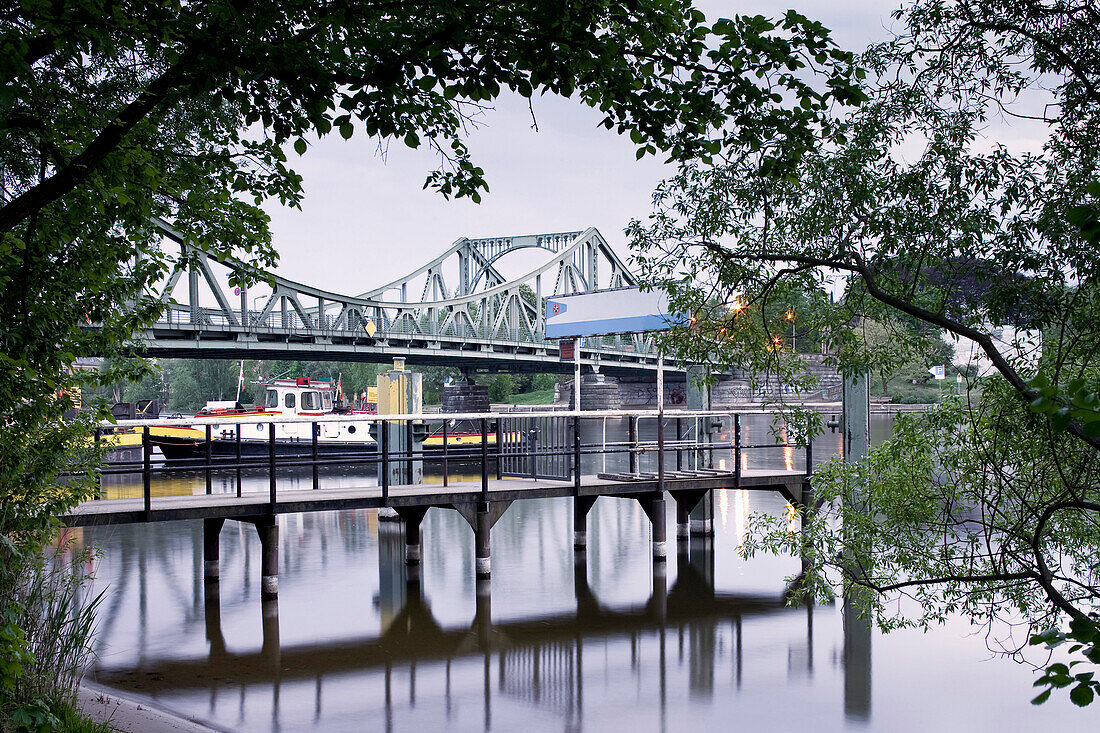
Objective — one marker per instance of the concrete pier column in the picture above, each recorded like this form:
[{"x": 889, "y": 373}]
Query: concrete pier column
[
  {"x": 482, "y": 528},
  {"x": 412, "y": 516},
  {"x": 269, "y": 557},
  {"x": 702, "y": 516},
  {"x": 654, "y": 507},
  {"x": 683, "y": 520},
  {"x": 581, "y": 506},
  {"x": 211, "y": 531}
]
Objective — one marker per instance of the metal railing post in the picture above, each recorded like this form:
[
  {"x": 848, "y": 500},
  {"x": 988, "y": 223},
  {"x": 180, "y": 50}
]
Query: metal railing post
[
  {"x": 444, "y": 451},
  {"x": 500, "y": 450},
  {"x": 209, "y": 476},
  {"x": 576, "y": 454},
  {"x": 271, "y": 463},
  {"x": 484, "y": 460},
  {"x": 238, "y": 446},
  {"x": 736, "y": 449},
  {"x": 384, "y": 436},
  {"x": 679, "y": 447},
  {"x": 660, "y": 454},
  {"x": 632, "y": 438},
  {"x": 409, "y": 452},
  {"x": 99, "y": 491},
  {"x": 533, "y": 447},
  {"x": 316, "y": 430},
  {"x": 147, "y": 473}
]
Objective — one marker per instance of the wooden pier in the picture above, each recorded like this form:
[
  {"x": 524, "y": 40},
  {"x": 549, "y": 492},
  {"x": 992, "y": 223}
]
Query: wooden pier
[{"x": 535, "y": 455}]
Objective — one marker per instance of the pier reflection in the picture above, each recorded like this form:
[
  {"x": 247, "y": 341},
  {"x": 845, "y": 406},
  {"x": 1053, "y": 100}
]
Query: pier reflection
[{"x": 685, "y": 631}]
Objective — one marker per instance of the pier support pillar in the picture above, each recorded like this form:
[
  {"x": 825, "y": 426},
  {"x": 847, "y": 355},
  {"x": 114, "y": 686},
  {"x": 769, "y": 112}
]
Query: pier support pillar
[
  {"x": 412, "y": 517},
  {"x": 269, "y": 557},
  {"x": 482, "y": 515},
  {"x": 702, "y": 516},
  {"x": 211, "y": 531},
  {"x": 693, "y": 513},
  {"x": 581, "y": 506},
  {"x": 482, "y": 528},
  {"x": 654, "y": 507},
  {"x": 683, "y": 520}
]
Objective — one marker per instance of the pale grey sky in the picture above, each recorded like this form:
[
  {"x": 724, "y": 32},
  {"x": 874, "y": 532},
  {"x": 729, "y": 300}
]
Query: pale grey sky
[{"x": 366, "y": 221}]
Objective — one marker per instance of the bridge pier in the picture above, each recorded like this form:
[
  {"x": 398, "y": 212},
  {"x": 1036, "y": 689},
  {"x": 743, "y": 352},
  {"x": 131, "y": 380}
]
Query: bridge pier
[
  {"x": 702, "y": 516},
  {"x": 482, "y": 529},
  {"x": 694, "y": 513},
  {"x": 211, "y": 549},
  {"x": 654, "y": 507},
  {"x": 581, "y": 506},
  {"x": 412, "y": 516},
  {"x": 269, "y": 557},
  {"x": 481, "y": 516}
]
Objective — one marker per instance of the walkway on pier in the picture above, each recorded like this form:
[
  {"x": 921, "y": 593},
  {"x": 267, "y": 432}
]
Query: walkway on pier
[{"x": 536, "y": 455}]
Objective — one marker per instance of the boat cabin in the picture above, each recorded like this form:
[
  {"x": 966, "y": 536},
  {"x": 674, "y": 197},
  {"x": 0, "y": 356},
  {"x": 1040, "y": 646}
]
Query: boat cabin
[{"x": 301, "y": 396}]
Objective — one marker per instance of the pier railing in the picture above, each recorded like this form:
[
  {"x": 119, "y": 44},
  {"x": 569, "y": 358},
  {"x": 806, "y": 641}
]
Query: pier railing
[{"x": 553, "y": 445}]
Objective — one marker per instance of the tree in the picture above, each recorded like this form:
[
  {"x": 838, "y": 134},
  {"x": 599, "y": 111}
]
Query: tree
[
  {"x": 987, "y": 505},
  {"x": 115, "y": 113}
]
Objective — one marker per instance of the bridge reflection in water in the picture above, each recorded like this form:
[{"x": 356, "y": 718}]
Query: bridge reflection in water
[{"x": 577, "y": 663}]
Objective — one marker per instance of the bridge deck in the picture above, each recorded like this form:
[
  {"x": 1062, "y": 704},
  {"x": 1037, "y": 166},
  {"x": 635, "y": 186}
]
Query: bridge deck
[{"x": 204, "y": 506}]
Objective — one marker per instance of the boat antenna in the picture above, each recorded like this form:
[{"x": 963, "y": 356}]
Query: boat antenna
[{"x": 240, "y": 383}]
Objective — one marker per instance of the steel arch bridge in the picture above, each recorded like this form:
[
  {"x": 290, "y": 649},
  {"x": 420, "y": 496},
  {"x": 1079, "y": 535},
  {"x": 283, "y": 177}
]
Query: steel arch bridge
[{"x": 457, "y": 310}]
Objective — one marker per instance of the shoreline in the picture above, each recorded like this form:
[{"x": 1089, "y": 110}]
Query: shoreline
[{"x": 133, "y": 713}]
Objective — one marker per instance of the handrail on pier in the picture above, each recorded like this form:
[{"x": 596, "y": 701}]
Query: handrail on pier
[{"x": 517, "y": 452}]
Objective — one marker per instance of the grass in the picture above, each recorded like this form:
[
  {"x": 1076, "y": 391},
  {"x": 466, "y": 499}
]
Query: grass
[
  {"x": 541, "y": 397},
  {"x": 72, "y": 721}
]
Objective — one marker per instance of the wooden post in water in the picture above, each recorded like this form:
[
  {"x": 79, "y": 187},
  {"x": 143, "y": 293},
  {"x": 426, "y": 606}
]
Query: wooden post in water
[{"x": 856, "y": 424}]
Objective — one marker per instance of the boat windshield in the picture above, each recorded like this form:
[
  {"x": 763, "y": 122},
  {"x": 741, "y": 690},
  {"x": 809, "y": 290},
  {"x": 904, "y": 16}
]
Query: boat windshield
[
  {"x": 309, "y": 401},
  {"x": 327, "y": 398},
  {"x": 272, "y": 398}
]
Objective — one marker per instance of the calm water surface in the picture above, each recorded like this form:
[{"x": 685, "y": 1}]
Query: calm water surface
[{"x": 608, "y": 643}]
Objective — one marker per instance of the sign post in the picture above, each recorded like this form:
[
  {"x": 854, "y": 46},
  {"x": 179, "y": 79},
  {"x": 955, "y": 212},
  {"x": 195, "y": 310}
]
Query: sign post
[
  {"x": 660, "y": 383},
  {"x": 577, "y": 375}
]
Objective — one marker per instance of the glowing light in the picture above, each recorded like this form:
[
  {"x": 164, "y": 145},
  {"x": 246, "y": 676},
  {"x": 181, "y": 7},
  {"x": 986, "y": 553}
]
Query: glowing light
[
  {"x": 736, "y": 305},
  {"x": 790, "y": 315},
  {"x": 740, "y": 515}
]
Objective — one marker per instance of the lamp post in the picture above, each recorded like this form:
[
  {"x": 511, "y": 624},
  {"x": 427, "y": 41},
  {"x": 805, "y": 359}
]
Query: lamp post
[{"x": 790, "y": 317}]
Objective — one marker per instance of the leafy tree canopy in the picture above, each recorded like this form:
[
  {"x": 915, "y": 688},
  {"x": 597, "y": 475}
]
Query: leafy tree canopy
[{"x": 915, "y": 210}]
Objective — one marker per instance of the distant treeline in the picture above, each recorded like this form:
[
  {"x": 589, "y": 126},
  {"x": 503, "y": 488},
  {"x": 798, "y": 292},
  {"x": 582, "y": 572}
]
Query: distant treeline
[{"x": 185, "y": 385}]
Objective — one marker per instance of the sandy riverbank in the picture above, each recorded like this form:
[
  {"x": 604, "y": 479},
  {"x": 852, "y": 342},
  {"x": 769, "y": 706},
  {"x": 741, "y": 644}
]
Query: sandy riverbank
[{"x": 133, "y": 714}]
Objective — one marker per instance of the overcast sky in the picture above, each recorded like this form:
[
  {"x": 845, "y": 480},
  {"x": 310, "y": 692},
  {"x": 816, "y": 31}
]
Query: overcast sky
[{"x": 366, "y": 220}]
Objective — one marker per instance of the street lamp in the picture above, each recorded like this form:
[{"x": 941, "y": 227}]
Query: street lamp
[{"x": 790, "y": 317}]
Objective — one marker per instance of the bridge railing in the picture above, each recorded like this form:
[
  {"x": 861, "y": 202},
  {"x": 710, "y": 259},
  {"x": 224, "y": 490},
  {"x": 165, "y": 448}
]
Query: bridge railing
[
  {"x": 557, "y": 446},
  {"x": 216, "y": 319}
]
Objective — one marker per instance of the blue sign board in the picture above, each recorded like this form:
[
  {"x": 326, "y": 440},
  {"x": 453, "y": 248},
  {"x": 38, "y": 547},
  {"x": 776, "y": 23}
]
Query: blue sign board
[{"x": 607, "y": 312}]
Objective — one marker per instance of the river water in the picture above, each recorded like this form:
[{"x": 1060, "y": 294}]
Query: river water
[{"x": 549, "y": 644}]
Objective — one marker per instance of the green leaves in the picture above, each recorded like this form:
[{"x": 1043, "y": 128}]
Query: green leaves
[{"x": 1084, "y": 638}]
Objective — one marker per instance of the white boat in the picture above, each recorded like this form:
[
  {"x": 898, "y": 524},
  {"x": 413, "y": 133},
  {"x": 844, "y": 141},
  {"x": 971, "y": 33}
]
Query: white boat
[{"x": 283, "y": 398}]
